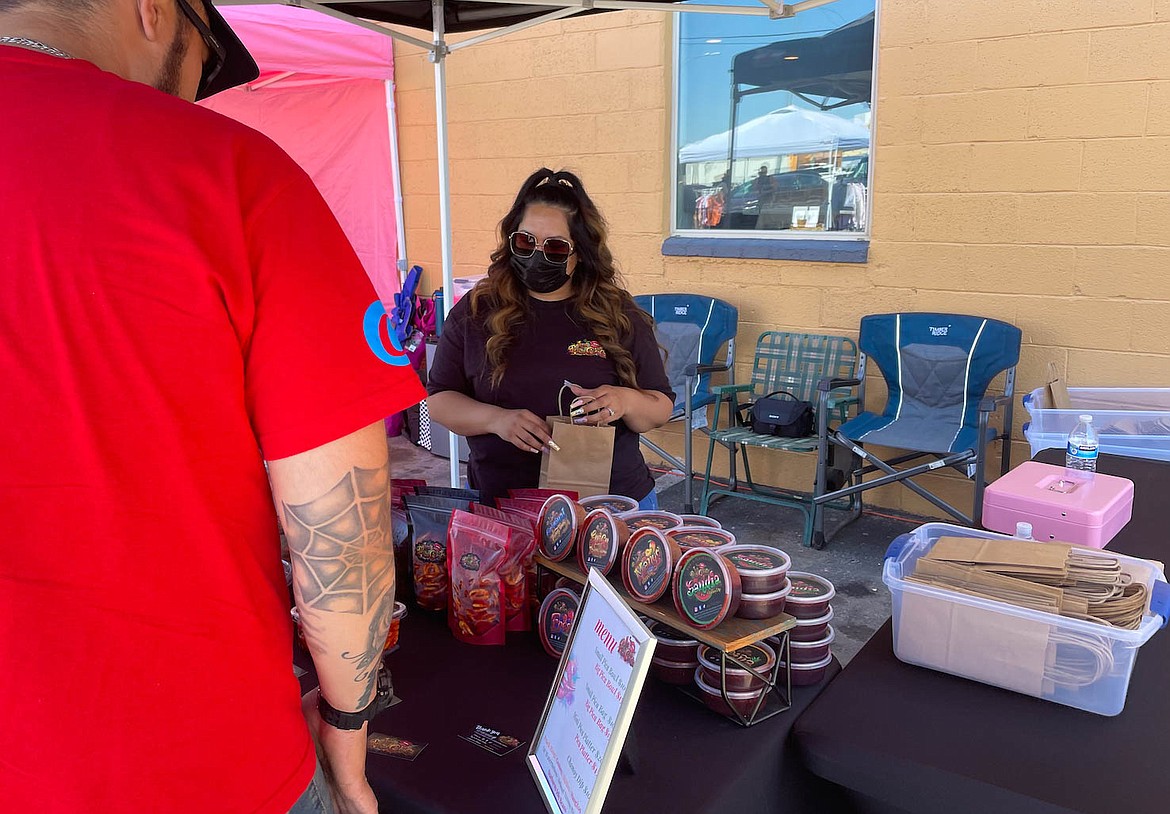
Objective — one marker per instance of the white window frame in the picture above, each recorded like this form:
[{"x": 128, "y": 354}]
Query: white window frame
[{"x": 770, "y": 234}]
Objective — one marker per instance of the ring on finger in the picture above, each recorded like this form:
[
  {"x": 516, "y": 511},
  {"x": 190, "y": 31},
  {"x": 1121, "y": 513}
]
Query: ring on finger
[{"x": 611, "y": 412}]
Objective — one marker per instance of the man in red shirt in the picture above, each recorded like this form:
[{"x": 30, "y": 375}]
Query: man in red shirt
[{"x": 180, "y": 308}]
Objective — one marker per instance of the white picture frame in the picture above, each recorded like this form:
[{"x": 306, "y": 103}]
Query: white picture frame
[{"x": 575, "y": 750}]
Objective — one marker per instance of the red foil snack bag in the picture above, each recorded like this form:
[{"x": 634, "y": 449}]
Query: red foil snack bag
[
  {"x": 477, "y": 547},
  {"x": 515, "y": 570},
  {"x": 429, "y": 518}
]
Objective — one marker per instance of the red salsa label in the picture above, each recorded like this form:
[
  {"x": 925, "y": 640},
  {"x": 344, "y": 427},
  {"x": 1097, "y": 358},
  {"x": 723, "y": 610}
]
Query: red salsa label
[
  {"x": 560, "y": 608},
  {"x": 661, "y": 522},
  {"x": 699, "y": 539},
  {"x": 755, "y": 560},
  {"x": 648, "y": 566},
  {"x": 598, "y": 541},
  {"x": 702, "y": 588},
  {"x": 750, "y": 656},
  {"x": 556, "y": 528},
  {"x": 808, "y": 588}
]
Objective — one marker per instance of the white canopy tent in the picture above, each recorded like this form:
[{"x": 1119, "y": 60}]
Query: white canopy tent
[
  {"x": 495, "y": 13},
  {"x": 785, "y": 131}
]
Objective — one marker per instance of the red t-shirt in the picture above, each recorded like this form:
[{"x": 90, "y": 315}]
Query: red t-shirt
[{"x": 179, "y": 305}]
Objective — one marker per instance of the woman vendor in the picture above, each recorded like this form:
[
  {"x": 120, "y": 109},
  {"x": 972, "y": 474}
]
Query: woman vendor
[{"x": 550, "y": 310}]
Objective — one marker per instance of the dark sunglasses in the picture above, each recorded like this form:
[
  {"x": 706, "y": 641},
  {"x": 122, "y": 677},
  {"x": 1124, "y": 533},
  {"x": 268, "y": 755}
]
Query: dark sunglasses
[
  {"x": 216, "y": 53},
  {"x": 554, "y": 249}
]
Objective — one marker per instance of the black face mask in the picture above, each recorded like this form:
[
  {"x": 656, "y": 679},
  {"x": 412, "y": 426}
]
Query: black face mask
[{"x": 538, "y": 275}]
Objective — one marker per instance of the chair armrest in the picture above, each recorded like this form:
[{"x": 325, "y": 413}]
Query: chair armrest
[
  {"x": 833, "y": 404},
  {"x": 724, "y": 389},
  {"x": 989, "y": 404},
  {"x": 698, "y": 370},
  {"x": 825, "y": 385}
]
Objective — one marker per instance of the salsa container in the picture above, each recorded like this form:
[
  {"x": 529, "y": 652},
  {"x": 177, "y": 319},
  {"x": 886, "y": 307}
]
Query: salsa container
[
  {"x": 559, "y": 526},
  {"x": 762, "y": 570},
  {"x": 810, "y": 595},
  {"x": 663, "y": 521},
  {"x": 811, "y": 652},
  {"x": 673, "y": 672},
  {"x": 809, "y": 630},
  {"x": 601, "y": 542},
  {"x": 701, "y": 537},
  {"x": 760, "y": 657},
  {"x": 617, "y": 504},
  {"x": 706, "y": 588},
  {"x": 804, "y": 675},
  {"x": 557, "y": 613},
  {"x": 700, "y": 520},
  {"x": 674, "y": 645},
  {"x": 648, "y": 561},
  {"x": 763, "y": 606},
  {"x": 742, "y": 702}
]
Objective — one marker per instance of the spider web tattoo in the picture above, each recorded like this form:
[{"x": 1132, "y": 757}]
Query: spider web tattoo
[{"x": 340, "y": 540}]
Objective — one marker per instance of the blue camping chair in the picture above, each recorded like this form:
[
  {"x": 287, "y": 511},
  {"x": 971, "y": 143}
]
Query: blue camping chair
[
  {"x": 692, "y": 331},
  {"x": 938, "y": 368}
]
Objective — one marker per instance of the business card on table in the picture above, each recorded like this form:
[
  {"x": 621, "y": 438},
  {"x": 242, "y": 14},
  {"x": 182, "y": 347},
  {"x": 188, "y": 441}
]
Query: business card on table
[
  {"x": 492, "y": 740},
  {"x": 393, "y": 746}
]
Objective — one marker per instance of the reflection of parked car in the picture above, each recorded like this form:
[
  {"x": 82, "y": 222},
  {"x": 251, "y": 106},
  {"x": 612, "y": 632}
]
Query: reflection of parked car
[{"x": 750, "y": 204}]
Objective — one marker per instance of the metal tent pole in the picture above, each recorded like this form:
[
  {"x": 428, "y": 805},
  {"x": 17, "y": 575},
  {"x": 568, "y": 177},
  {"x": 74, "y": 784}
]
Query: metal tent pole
[{"x": 439, "y": 57}]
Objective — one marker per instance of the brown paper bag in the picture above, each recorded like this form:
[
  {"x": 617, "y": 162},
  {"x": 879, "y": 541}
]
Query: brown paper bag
[
  {"x": 584, "y": 461},
  {"x": 1057, "y": 392}
]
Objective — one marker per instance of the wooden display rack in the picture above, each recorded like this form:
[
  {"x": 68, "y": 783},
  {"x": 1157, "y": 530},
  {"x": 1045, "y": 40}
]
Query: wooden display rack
[{"x": 731, "y": 634}]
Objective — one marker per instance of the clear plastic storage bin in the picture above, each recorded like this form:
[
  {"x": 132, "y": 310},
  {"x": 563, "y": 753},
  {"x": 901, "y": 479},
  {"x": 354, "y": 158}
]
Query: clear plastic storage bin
[
  {"x": 1072, "y": 662},
  {"x": 1133, "y": 421}
]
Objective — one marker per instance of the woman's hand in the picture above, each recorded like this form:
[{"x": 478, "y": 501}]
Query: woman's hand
[
  {"x": 600, "y": 405},
  {"x": 522, "y": 429},
  {"x": 641, "y": 410}
]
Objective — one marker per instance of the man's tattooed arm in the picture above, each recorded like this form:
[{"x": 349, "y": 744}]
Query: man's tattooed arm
[{"x": 343, "y": 571}]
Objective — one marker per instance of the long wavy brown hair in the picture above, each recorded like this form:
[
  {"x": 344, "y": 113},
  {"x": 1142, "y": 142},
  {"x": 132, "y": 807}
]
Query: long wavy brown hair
[{"x": 598, "y": 297}]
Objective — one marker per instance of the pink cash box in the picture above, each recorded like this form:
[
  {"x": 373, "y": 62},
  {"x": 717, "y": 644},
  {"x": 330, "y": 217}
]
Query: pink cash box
[{"x": 1071, "y": 507}]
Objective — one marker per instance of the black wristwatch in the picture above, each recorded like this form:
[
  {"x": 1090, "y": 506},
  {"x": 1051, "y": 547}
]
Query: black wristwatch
[{"x": 337, "y": 719}]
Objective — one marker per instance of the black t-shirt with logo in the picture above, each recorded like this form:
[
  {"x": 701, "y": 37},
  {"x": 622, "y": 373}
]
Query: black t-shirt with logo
[{"x": 553, "y": 345}]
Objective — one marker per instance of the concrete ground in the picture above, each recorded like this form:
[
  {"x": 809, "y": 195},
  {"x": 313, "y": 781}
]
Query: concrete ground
[{"x": 852, "y": 560}]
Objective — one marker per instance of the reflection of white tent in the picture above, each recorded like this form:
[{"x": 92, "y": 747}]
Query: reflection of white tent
[{"x": 785, "y": 131}]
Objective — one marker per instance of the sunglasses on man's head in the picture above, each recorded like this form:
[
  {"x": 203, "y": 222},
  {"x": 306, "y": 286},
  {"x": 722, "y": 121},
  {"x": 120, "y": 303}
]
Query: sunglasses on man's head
[
  {"x": 554, "y": 249},
  {"x": 216, "y": 54}
]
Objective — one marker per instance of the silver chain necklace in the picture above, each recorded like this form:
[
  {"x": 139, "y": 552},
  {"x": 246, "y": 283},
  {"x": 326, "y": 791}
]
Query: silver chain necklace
[{"x": 36, "y": 45}]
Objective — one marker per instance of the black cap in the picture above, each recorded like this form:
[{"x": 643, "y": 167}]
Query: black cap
[{"x": 238, "y": 67}]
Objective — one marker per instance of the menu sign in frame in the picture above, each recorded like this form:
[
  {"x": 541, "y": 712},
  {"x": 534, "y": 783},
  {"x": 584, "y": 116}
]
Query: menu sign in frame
[{"x": 589, "y": 708}]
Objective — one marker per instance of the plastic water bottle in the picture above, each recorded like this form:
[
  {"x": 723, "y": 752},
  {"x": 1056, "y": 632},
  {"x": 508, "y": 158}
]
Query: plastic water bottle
[
  {"x": 1082, "y": 446},
  {"x": 440, "y": 317}
]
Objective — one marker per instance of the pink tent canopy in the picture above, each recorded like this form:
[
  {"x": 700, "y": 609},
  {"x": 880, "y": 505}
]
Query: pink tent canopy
[{"x": 324, "y": 95}]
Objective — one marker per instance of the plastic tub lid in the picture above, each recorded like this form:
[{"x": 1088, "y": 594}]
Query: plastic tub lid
[
  {"x": 758, "y": 656},
  {"x": 740, "y": 695},
  {"x": 758, "y": 560},
  {"x": 820, "y": 620},
  {"x": 828, "y": 638},
  {"x": 618, "y": 504},
  {"x": 700, "y": 520},
  {"x": 669, "y": 663},
  {"x": 559, "y": 519},
  {"x": 701, "y": 537},
  {"x": 816, "y": 665},
  {"x": 783, "y": 592},
  {"x": 809, "y": 588},
  {"x": 664, "y": 632},
  {"x": 660, "y": 520}
]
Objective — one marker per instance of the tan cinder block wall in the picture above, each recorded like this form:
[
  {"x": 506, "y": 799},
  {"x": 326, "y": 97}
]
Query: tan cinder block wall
[{"x": 1021, "y": 171}]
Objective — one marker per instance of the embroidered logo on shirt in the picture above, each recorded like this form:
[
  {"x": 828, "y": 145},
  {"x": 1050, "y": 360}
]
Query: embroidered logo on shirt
[
  {"x": 372, "y": 328},
  {"x": 587, "y": 347}
]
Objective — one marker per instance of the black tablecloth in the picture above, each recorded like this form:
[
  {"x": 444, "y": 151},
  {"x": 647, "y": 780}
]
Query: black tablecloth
[
  {"x": 904, "y": 738},
  {"x": 689, "y": 758}
]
